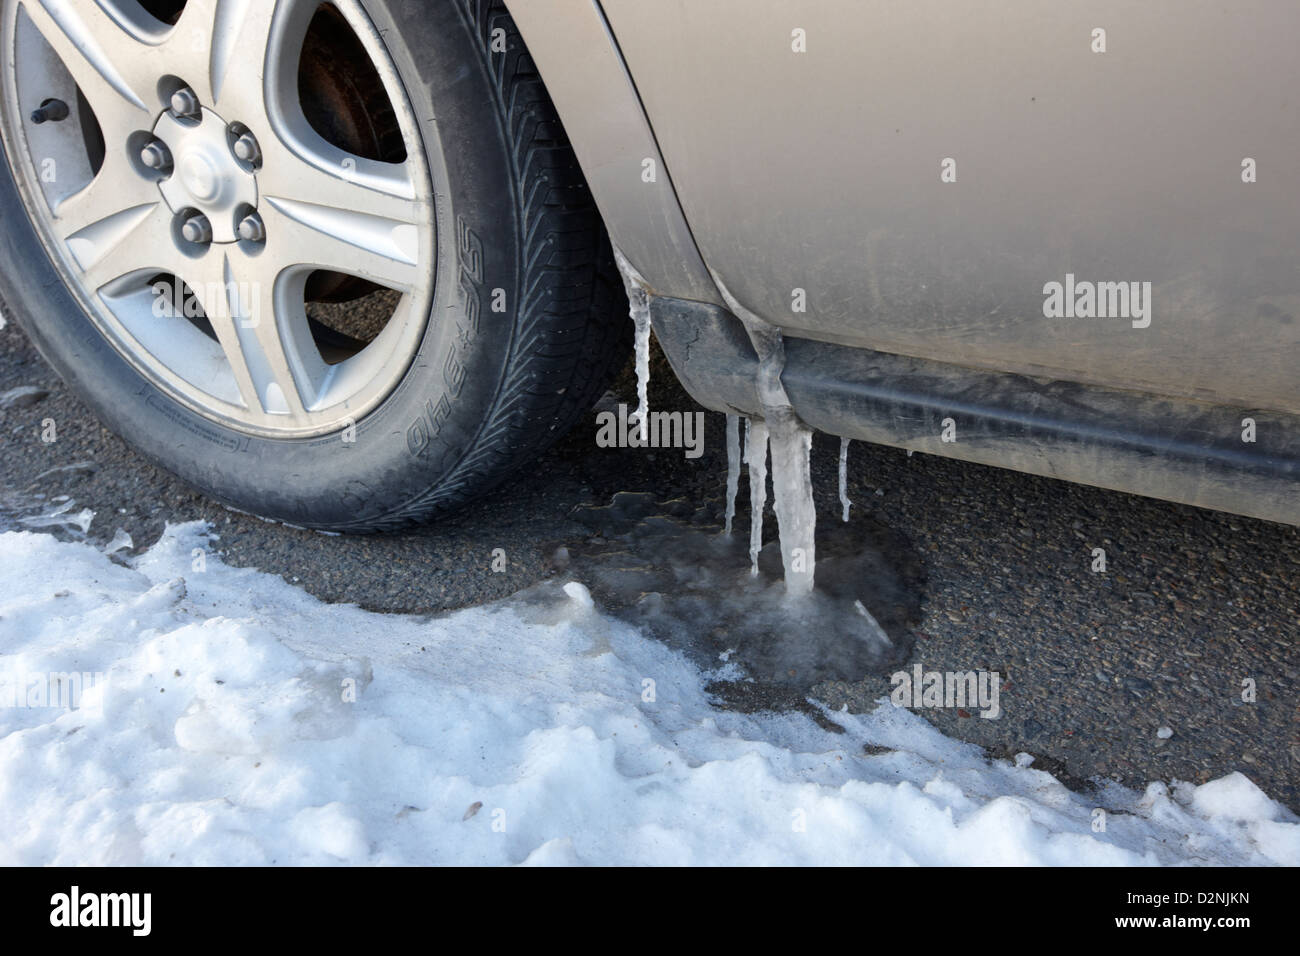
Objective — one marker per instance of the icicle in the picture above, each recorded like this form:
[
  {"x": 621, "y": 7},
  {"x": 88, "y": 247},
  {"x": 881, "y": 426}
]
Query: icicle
[
  {"x": 733, "y": 466},
  {"x": 641, "y": 317},
  {"x": 756, "y": 455},
  {"x": 796, "y": 515},
  {"x": 791, "y": 444},
  {"x": 746, "y": 458},
  {"x": 844, "y": 477},
  {"x": 638, "y": 301}
]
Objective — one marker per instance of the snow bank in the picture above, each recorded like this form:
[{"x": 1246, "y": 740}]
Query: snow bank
[{"x": 237, "y": 720}]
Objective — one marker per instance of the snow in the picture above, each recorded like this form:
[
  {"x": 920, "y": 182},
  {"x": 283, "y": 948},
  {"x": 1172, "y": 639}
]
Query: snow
[
  {"x": 1233, "y": 797},
  {"x": 238, "y": 720}
]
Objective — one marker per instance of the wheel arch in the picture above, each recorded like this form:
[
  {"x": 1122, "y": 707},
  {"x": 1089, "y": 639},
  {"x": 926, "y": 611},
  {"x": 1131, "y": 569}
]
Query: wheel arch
[{"x": 578, "y": 58}]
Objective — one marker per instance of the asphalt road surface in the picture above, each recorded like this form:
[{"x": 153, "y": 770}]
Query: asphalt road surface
[{"x": 1135, "y": 674}]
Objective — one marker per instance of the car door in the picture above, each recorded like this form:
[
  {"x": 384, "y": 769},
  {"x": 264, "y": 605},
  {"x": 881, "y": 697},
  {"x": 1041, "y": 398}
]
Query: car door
[{"x": 1105, "y": 192}]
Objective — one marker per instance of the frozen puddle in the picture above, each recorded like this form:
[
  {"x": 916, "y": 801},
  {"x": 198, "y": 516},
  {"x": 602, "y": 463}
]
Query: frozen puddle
[
  {"x": 241, "y": 721},
  {"x": 664, "y": 567}
]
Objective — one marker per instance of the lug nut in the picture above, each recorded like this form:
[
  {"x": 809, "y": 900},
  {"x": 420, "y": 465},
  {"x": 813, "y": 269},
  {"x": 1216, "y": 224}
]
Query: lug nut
[
  {"x": 156, "y": 155},
  {"x": 251, "y": 228},
  {"x": 246, "y": 148},
  {"x": 197, "y": 229},
  {"x": 50, "y": 111},
  {"x": 184, "y": 102}
]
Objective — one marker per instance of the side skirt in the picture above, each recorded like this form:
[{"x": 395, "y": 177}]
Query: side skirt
[{"x": 1136, "y": 442}]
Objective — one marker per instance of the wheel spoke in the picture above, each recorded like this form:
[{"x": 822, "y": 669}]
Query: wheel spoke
[
  {"x": 267, "y": 341},
  {"x": 321, "y": 237},
  {"x": 233, "y": 37},
  {"x": 205, "y": 278},
  {"x": 117, "y": 187},
  {"x": 134, "y": 240},
  {"x": 361, "y": 220},
  {"x": 104, "y": 57}
]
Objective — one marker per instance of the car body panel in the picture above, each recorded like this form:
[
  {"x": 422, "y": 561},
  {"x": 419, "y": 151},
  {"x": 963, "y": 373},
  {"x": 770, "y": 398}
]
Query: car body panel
[
  {"x": 925, "y": 299},
  {"x": 1182, "y": 451},
  {"x": 821, "y": 171}
]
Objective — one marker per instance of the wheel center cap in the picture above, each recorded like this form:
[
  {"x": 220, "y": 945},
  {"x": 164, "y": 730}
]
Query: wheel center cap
[
  {"x": 207, "y": 176},
  {"x": 199, "y": 175}
]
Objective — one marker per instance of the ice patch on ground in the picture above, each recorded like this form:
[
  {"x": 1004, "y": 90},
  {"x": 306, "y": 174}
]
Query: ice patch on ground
[
  {"x": 241, "y": 721},
  {"x": 663, "y": 567}
]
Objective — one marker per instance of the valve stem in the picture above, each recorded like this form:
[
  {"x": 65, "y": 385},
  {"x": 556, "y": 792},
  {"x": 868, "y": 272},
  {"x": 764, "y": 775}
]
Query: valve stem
[{"x": 50, "y": 110}]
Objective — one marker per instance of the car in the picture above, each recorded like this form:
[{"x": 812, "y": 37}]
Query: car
[{"x": 350, "y": 265}]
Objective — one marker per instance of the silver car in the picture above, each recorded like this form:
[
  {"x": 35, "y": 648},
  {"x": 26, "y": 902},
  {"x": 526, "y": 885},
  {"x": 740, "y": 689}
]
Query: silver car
[{"x": 348, "y": 265}]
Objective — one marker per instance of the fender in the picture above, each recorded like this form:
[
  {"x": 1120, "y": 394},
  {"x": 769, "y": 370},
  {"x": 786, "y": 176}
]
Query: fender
[{"x": 580, "y": 62}]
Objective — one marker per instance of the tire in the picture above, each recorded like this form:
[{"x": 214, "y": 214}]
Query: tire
[{"x": 485, "y": 391}]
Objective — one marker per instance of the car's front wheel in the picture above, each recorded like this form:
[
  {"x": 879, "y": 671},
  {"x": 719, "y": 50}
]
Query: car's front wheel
[{"x": 333, "y": 263}]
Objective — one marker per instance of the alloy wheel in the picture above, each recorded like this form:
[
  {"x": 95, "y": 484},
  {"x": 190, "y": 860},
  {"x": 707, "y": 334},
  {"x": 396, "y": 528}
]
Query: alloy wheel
[{"x": 200, "y": 187}]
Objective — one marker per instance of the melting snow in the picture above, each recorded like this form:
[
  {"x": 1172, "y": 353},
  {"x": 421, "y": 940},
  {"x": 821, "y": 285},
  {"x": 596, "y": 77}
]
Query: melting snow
[
  {"x": 241, "y": 721},
  {"x": 61, "y": 516}
]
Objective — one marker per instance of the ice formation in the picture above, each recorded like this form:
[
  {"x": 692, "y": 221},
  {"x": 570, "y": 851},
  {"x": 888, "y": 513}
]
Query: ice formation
[
  {"x": 638, "y": 301},
  {"x": 796, "y": 514},
  {"x": 756, "y": 456},
  {"x": 791, "y": 444},
  {"x": 733, "y": 467},
  {"x": 844, "y": 477}
]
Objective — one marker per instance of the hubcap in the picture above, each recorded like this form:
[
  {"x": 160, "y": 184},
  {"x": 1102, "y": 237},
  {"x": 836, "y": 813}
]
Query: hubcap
[
  {"x": 209, "y": 177},
  {"x": 212, "y": 179}
]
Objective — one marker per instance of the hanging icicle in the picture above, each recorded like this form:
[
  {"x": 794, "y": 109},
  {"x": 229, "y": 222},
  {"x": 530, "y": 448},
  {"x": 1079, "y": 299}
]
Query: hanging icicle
[
  {"x": 791, "y": 444},
  {"x": 756, "y": 455},
  {"x": 796, "y": 515},
  {"x": 638, "y": 302},
  {"x": 733, "y": 467},
  {"x": 641, "y": 317},
  {"x": 844, "y": 477}
]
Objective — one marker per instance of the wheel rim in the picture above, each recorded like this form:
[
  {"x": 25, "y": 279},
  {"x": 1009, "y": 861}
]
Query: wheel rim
[{"x": 210, "y": 174}]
